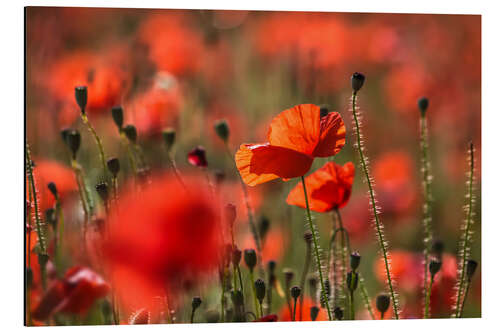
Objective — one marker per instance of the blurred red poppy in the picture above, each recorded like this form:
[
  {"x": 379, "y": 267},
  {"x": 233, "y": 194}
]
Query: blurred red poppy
[
  {"x": 75, "y": 293},
  {"x": 327, "y": 188},
  {"x": 295, "y": 137},
  {"x": 274, "y": 246}
]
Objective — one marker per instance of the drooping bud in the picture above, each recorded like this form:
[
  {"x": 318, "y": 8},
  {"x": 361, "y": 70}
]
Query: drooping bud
[
  {"x": 197, "y": 157},
  {"x": 355, "y": 260},
  {"x": 196, "y": 302},
  {"x": 117, "y": 114},
  {"x": 230, "y": 214},
  {"x": 295, "y": 292},
  {"x": 264, "y": 224},
  {"x": 130, "y": 133},
  {"x": 338, "y": 313},
  {"x": 222, "y": 129},
  {"x": 352, "y": 281},
  {"x": 423, "y": 104},
  {"x": 81, "y": 97},
  {"x": 236, "y": 257},
  {"x": 470, "y": 268},
  {"x": 314, "y": 311},
  {"x": 53, "y": 189},
  {"x": 434, "y": 267},
  {"x": 382, "y": 303},
  {"x": 73, "y": 140},
  {"x": 114, "y": 166},
  {"x": 102, "y": 190},
  {"x": 357, "y": 81},
  {"x": 169, "y": 138},
  {"x": 250, "y": 259},
  {"x": 260, "y": 289}
]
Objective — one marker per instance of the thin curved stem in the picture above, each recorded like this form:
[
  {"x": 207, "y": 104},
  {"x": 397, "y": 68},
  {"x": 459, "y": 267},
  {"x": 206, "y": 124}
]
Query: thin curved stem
[
  {"x": 378, "y": 224},
  {"x": 98, "y": 142},
  {"x": 316, "y": 252}
]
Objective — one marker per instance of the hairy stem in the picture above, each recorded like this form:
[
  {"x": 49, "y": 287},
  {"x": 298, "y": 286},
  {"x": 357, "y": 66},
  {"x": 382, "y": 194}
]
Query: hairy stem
[
  {"x": 428, "y": 297},
  {"x": 38, "y": 221},
  {"x": 98, "y": 142}
]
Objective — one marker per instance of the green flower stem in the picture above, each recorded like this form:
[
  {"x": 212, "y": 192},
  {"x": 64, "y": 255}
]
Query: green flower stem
[
  {"x": 83, "y": 195},
  {"x": 465, "y": 297},
  {"x": 38, "y": 220},
  {"x": 316, "y": 252},
  {"x": 464, "y": 251},
  {"x": 427, "y": 217},
  {"x": 378, "y": 223},
  {"x": 303, "y": 278},
  {"x": 255, "y": 300},
  {"x": 352, "y": 304},
  {"x": 130, "y": 156},
  {"x": 428, "y": 297},
  {"x": 177, "y": 174},
  {"x": 98, "y": 142},
  {"x": 222, "y": 297},
  {"x": 60, "y": 231},
  {"x": 366, "y": 298},
  {"x": 294, "y": 308}
]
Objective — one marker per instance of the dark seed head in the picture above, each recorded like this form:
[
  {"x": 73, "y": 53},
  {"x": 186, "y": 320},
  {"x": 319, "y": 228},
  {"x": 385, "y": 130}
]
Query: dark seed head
[
  {"x": 271, "y": 266},
  {"x": 338, "y": 313},
  {"x": 52, "y": 188},
  {"x": 117, "y": 114},
  {"x": 196, "y": 302},
  {"x": 289, "y": 274},
  {"x": 352, "y": 281},
  {"x": 73, "y": 140},
  {"x": 357, "y": 81},
  {"x": 130, "y": 133},
  {"x": 250, "y": 258},
  {"x": 434, "y": 267},
  {"x": 222, "y": 129},
  {"x": 355, "y": 260},
  {"x": 169, "y": 138},
  {"x": 81, "y": 97},
  {"x": 295, "y": 292},
  {"x": 260, "y": 289},
  {"x": 314, "y": 311},
  {"x": 438, "y": 248},
  {"x": 423, "y": 104},
  {"x": 382, "y": 302},
  {"x": 264, "y": 224},
  {"x": 102, "y": 190},
  {"x": 114, "y": 166},
  {"x": 471, "y": 268}
]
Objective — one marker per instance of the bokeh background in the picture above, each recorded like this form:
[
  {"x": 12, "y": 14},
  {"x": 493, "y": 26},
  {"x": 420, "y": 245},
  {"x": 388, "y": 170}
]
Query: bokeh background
[{"x": 188, "y": 68}]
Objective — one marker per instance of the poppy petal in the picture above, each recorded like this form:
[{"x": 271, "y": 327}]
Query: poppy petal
[
  {"x": 297, "y": 128},
  {"x": 332, "y": 135},
  {"x": 261, "y": 163}
]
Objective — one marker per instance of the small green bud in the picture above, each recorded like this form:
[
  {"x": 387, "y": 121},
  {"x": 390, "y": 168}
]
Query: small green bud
[
  {"x": 357, "y": 81},
  {"x": 131, "y": 133},
  {"x": 196, "y": 302},
  {"x": 382, "y": 302},
  {"x": 314, "y": 311},
  {"x": 295, "y": 292},
  {"x": 81, "y": 97},
  {"x": 352, "y": 281},
  {"x": 117, "y": 114},
  {"x": 423, "y": 104},
  {"x": 73, "y": 140},
  {"x": 355, "y": 260},
  {"x": 114, "y": 166},
  {"x": 250, "y": 258},
  {"x": 222, "y": 129},
  {"x": 260, "y": 289},
  {"x": 434, "y": 267}
]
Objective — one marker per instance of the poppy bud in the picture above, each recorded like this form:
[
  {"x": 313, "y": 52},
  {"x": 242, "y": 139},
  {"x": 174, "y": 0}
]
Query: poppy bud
[
  {"x": 295, "y": 292},
  {"x": 323, "y": 110},
  {"x": 230, "y": 214},
  {"x": 197, "y": 157},
  {"x": 250, "y": 258},
  {"x": 131, "y": 133},
  {"x": 434, "y": 267},
  {"x": 271, "y": 266},
  {"x": 212, "y": 316},
  {"x": 64, "y": 134},
  {"x": 52, "y": 188},
  {"x": 357, "y": 81},
  {"x": 102, "y": 190},
  {"x": 81, "y": 97},
  {"x": 471, "y": 268},
  {"x": 260, "y": 289},
  {"x": 438, "y": 248},
  {"x": 73, "y": 140},
  {"x": 289, "y": 274},
  {"x": 355, "y": 260},
  {"x": 222, "y": 129},
  {"x": 338, "y": 313},
  {"x": 196, "y": 302},
  {"x": 314, "y": 311},
  {"x": 117, "y": 114},
  {"x": 114, "y": 166},
  {"x": 169, "y": 138},
  {"x": 236, "y": 256},
  {"x": 308, "y": 236},
  {"x": 382, "y": 302},
  {"x": 352, "y": 281},
  {"x": 264, "y": 224},
  {"x": 237, "y": 298},
  {"x": 423, "y": 104}
]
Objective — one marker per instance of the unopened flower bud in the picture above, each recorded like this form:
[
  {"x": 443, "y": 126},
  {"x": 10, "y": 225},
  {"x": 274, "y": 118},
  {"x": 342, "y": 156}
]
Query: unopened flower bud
[
  {"x": 73, "y": 140},
  {"x": 114, "y": 166},
  {"x": 264, "y": 224},
  {"x": 382, "y": 302},
  {"x": 230, "y": 214},
  {"x": 102, "y": 190},
  {"x": 338, "y": 313},
  {"x": 81, "y": 97},
  {"x": 437, "y": 248},
  {"x": 236, "y": 257},
  {"x": 295, "y": 292},
  {"x": 314, "y": 311},
  {"x": 197, "y": 157},
  {"x": 470, "y": 268},
  {"x": 250, "y": 258},
  {"x": 357, "y": 81},
  {"x": 260, "y": 289},
  {"x": 423, "y": 104},
  {"x": 222, "y": 129},
  {"x": 434, "y": 267},
  {"x": 352, "y": 281},
  {"x": 169, "y": 138},
  {"x": 196, "y": 302},
  {"x": 117, "y": 114},
  {"x": 52, "y": 188},
  {"x": 130, "y": 133},
  {"x": 355, "y": 260}
]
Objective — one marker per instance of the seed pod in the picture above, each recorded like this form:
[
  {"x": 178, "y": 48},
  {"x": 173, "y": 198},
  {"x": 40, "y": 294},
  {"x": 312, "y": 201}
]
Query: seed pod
[
  {"x": 169, "y": 138},
  {"x": 352, "y": 281},
  {"x": 314, "y": 311},
  {"x": 102, "y": 190},
  {"x": 131, "y": 133},
  {"x": 81, "y": 97},
  {"x": 357, "y": 81},
  {"x": 260, "y": 289},
  {"x": 355, "y": 260},
  {"x": 271, "y": 266},
  {"x": 338, "y": 313},
  {"x": 114, "y": 166},
  {"x": 117, "y": 114},
  {"x": 250, "y": 259},
  {"x": 52, "y": 188},
  {"x": 295, "y": 292},
  {"x": 423, "y": 104},
  {"x": 471, "y": 268},
  {"x": 382, "y": 302},
  {"x": 196, "y": 302},
  {"x": 434, "y": 267},
  {"x": 222, "y": 129},
  {"x": 73, "y": 140}
]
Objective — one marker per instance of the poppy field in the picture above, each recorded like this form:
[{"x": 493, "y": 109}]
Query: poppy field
[{"x": 210, "y": 166}]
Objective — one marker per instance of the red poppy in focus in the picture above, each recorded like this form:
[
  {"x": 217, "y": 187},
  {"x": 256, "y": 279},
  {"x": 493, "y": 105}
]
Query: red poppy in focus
[
  {"x": 306, "y": 312},
  {"x": 161, "y": 236},
  {"x": 295, "y": 137},
  {"x": 327, "y": 188},
  {"x": 75, "y": 293}
]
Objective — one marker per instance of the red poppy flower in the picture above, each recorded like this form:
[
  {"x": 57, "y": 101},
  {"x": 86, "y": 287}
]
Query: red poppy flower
[
  {"x": 295, "y": 137},
  {"x": 161, "y": 236},
  {"x": 327, "y": 188},
  {"x": 306, "y": 312},
  {"x": 75, "y": 293}
]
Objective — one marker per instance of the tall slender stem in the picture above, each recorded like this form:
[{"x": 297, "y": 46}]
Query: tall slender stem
[
  {"x": 98, "y": 142},
  {"x": 465, "y": 297},
  {"x": 428, "y": 297},
  {"x": 316, "y": 252},
  {"x": 352, "y": 304},
  {"x": 378, "y": 223},
  {"x": 255, "y": 300},
  {"x": 38, "y": 220},
  {"x": 303, "y": 278}
]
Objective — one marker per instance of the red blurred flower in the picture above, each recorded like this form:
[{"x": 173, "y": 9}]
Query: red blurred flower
[
  {"x": 406, "y": 268},
  {"x": 296, "y": 136},
  {"x": 158, "y": 238},
  {"x": 274, "y": 246},
  {"x": 75, "y": 293},
  {"x": 306, "y": 312},
  {"x": 327, "y": 188}
]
